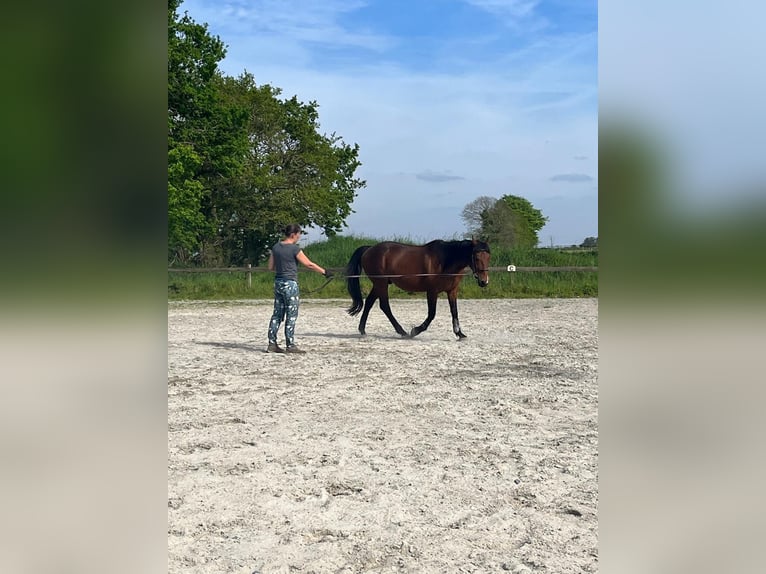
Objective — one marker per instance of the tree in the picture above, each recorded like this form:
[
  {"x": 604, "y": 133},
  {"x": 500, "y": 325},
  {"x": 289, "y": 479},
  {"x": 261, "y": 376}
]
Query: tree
[
  {"x": 242, "y": 162},
  {"x": 186, "y": 223},
  {"x": 472, "y": 214},
  {"x": 291, "y": 173},
  {"x": 510, "y": 221},
  {"x": 500, "y": 225},
  {"x": 590, "y": 242},
  {"x": 530, "y": 220},
  {"x": 193, "y": 56}
]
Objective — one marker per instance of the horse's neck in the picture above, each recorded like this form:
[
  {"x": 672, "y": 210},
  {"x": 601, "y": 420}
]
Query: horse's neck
[{"x": 457, "y": 258}]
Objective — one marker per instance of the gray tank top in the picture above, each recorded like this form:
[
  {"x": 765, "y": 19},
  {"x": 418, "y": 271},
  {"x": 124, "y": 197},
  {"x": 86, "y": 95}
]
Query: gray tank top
[{"x": 285, "y": 264}]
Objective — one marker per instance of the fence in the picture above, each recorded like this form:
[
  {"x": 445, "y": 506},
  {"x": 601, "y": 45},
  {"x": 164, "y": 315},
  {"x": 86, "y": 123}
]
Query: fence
[{"x": 249, "y": 270}]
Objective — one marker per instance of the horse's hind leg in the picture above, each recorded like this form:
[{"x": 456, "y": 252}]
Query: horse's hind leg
[
  {"x": 367, "y": 306},
  {"x": 432, "y": 297},
  {"x": 386, "y": 308}
]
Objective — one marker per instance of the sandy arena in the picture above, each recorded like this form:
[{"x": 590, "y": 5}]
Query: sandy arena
[{"x": 382, "y": 454}]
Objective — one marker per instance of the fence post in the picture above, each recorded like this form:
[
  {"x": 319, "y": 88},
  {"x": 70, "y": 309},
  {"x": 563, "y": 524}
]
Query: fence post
[{"x": 249, "y": 276}]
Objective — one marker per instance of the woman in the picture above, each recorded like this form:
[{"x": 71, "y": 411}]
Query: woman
[{"x": 284, "y": 259}]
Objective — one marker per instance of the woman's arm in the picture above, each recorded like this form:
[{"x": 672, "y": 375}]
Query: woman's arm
[{"x": 304, "y": 260}]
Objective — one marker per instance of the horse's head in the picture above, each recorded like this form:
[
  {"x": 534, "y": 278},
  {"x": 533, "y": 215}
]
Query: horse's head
[{"x": 480, "y": 262}]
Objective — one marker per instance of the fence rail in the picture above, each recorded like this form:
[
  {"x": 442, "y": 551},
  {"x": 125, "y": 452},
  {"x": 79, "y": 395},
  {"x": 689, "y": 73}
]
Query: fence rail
[
  {"x": 341, "y": 271},
  {"x": 250, "y": 270}
]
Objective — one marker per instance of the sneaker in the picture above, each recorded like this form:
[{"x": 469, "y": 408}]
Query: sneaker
[
  {"x": 295, "y": 349},
  {"x": 274, "y": 348}
]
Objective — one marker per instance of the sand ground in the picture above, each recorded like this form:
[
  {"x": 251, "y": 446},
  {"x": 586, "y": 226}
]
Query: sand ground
[{"x": 383, "y": 454}]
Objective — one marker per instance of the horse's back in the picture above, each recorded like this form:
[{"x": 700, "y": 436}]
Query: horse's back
[
  {"x": 409, "y": 267},
  {"x": 391, "y": 257}
]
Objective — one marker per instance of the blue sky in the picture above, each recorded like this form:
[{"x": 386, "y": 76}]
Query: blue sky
[{"x": 448, "y": 100}]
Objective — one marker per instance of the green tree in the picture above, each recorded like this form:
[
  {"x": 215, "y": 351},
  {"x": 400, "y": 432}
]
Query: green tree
[
  {"x": 186, "y": 223},
  {"x": 530, "y": 220},
  {"x": 241, "y": 161},
  {"x": 292, "y": 173},
  {"x": 500, "y": 225},
  {"x": 590, "y": 242},
  {"x": 193, "y": 56},
  {"x": 510, "y": 221}
]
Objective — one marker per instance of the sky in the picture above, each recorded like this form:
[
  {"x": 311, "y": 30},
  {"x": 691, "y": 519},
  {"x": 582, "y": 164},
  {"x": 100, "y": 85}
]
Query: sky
[{"x": 448, "y": 100}]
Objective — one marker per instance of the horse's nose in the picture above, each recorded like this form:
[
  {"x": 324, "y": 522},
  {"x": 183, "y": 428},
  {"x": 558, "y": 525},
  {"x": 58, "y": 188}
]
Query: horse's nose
[{"x": 483, "y": 283}]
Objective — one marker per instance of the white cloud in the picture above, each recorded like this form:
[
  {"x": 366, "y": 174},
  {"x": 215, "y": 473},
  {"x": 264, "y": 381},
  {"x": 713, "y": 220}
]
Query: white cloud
[
  {"x": 434, "y": 177},
  {"x": 512, "y": 12},
  {"x": 572, "y": 177}
]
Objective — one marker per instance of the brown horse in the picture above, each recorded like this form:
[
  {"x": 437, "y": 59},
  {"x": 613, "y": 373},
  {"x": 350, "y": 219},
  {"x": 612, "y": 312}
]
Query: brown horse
[{"x": 434, "y": 267}]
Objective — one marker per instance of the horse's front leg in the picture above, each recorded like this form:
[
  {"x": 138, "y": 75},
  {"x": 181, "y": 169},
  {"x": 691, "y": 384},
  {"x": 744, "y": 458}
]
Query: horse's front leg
[
  {"x": 452, "y": 298},
  {"x": 432, "y": 297}
]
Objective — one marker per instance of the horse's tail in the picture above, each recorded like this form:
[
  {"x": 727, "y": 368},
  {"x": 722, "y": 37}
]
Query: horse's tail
[{"x": 353, "y": 270}]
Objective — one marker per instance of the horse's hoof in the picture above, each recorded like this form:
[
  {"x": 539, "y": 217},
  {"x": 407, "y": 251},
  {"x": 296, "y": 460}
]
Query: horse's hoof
[
  {"x": 414, "y": 332},
  {"x": 461, "y": 336}
]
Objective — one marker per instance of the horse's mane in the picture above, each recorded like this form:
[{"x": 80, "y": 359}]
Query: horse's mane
[{"x": 452, "y": 253}]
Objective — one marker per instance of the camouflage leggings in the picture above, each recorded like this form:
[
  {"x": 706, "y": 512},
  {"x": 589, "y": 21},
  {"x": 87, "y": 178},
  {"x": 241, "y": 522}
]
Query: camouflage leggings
[{"x": 286, "y": 303}]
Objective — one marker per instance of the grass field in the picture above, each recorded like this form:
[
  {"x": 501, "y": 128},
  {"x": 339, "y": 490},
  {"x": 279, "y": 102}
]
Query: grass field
[{"x": 335, "y": 253}]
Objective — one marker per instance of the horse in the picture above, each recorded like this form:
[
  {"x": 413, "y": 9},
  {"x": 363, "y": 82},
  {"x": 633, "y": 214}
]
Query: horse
[{"x": 434, "y": 268}]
